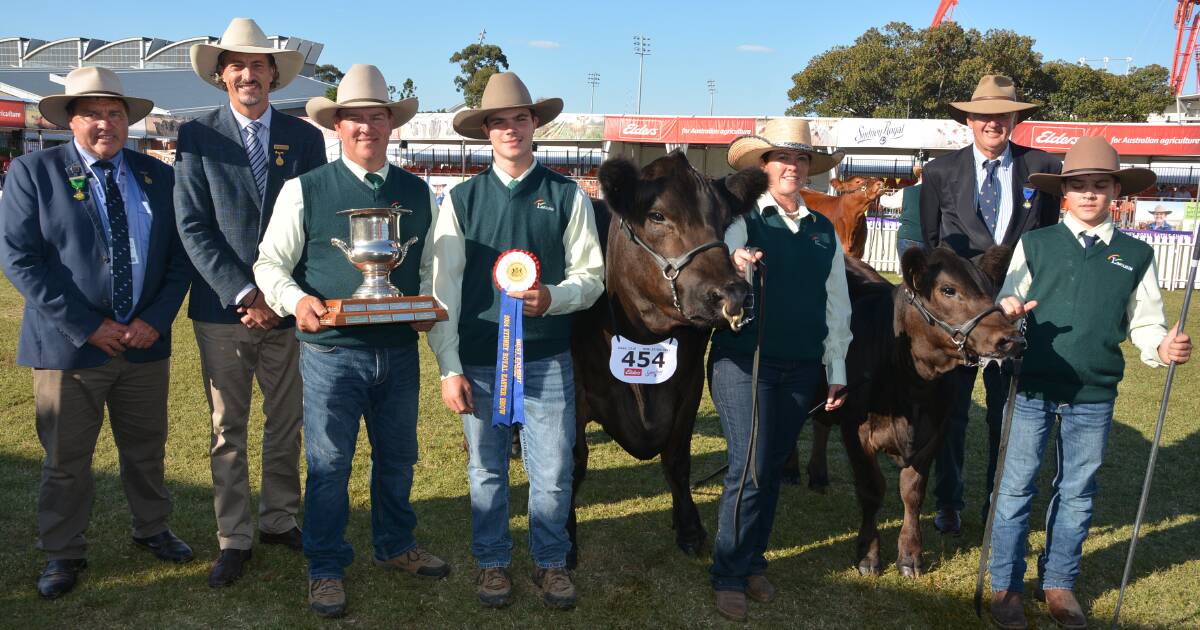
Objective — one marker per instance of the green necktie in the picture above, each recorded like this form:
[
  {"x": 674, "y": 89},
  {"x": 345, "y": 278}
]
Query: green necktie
[
  {"x": 512, "y": 183},
  {"x": 374, "y": 180}
]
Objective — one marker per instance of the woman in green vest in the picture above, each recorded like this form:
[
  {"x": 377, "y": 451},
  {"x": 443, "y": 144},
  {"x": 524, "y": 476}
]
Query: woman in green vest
[
  {"x": 803, "y": 322},
  {"x": 1093, "y": 286}
]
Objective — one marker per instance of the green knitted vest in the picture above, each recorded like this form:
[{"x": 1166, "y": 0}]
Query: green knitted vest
[
  {"x": 532, "y": 216},
  {"x": 323, "y": 270},
  {"x": 797, "y": 266},
  {"x": 1075, "y": 332}
]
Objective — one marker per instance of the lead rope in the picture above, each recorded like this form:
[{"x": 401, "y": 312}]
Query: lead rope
[{"x": 751, "y": 446}]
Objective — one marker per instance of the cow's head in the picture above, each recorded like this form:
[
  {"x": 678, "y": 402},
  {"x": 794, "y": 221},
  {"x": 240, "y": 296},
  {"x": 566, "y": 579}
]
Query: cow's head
[
  {"x": 942, "y": 288},
  {"x": 672, "y": 209},
  {"x": 871, "y": 188}
]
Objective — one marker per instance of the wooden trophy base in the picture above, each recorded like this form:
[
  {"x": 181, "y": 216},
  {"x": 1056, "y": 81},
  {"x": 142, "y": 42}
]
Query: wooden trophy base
[{"x": 390, "y": 310}]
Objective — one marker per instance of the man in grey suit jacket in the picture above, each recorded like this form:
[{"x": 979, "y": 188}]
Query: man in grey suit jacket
[
  {"x": 973, "y": 199},
  {"x": 229, "y": 167},
  {"x": 87, "y": 235}
]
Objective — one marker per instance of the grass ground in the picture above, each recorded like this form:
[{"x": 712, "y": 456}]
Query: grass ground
[{"x": 631, "y": 574}]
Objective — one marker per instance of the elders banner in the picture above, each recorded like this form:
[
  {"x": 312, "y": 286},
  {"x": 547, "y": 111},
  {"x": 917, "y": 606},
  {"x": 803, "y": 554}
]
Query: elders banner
[
  {"x": 1128, "y": 139},
  {"x": 676, "y": 130}
]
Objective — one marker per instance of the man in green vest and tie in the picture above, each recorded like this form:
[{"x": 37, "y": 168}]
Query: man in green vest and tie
[
  {"x": 352, "y": 372},
  {"x": 517, "y": 204}
]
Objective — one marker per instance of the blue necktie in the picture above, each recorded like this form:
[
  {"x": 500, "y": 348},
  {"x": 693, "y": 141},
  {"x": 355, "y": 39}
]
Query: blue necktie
[
  {"x": 258, "y": 159},
  {"x": 118, "y": 226},
  {"x": 989, "y": 196},
  {"x": 1088, "y": 239}
]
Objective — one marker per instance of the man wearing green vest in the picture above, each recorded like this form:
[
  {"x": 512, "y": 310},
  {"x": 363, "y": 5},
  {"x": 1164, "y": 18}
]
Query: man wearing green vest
[
  {"x": 1093, "y": 286},
  {"x": 515, "y": 204},
  {"x": 909, "y": 234},
  {"x": 352, "y": 372}
]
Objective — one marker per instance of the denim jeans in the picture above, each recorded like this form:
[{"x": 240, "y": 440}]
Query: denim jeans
[
  {"x": 342, "y": 385},
  {"x": 1082, "y": 434},
  {"x": 786, "y": 391},
  {"x": 948, "y": 466},
  {"x": 904, "y": 244},
  {"x": 547, "y": 443}
]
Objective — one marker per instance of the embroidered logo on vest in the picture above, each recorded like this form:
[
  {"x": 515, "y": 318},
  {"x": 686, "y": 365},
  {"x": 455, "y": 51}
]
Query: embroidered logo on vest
[
  {"x": 818, "y": 241},
  {"x": 1116, "y": 260},
  {"x": 542, "y": 204}
]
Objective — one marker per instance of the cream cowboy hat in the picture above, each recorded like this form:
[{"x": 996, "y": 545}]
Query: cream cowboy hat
[
  {"x": 995, "y": 94},
  {"x": 362, "y": 87},
  {"x": 243, "y": 35},
  {"x": 91, "y": 81},
  {"x": 1093, "y": 154},
  {"x": 504, "y": 90},
  {"x": 1159, "y": 209},
  {"x": 781, "y": 133}
]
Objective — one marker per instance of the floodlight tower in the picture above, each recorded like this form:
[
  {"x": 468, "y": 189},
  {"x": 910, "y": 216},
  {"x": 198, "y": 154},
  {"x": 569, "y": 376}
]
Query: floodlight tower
[
  {"x": 641, "y": 48},
  {"x": 593, "y": 78}
]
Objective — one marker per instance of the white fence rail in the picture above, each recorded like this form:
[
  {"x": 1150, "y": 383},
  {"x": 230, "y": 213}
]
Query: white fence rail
[{"x": 1172, "y": 251}]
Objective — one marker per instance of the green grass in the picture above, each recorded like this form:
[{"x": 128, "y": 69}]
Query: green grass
[{"x": 630, "y": 574}]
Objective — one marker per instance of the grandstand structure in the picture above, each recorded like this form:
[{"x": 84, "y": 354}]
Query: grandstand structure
[{"x": 132, "y": 53}]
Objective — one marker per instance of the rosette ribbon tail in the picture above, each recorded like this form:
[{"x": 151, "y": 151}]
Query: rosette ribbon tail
[{"x": 508, "y": 392}]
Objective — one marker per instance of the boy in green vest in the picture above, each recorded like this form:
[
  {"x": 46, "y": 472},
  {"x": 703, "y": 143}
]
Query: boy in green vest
[
  {"x": 1093, "y": 286},
  {"x": 517, "y": 204},
  {"x": 353, "y": 372}
]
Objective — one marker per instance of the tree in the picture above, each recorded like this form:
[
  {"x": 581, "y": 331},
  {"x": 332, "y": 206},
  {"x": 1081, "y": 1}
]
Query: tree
[
  {"x": 407, "y": 90},
  {"x": 329, "y": 73},
  {"x": 477, "y": 63}
]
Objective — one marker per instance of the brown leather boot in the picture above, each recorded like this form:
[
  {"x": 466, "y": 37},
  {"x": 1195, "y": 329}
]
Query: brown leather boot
[
  {"x": 760, "y": 589},
  {"x": 1007, "y": 611},
  {"x": 731, "y": 605},
  {"x": 1065, "y": 609}
]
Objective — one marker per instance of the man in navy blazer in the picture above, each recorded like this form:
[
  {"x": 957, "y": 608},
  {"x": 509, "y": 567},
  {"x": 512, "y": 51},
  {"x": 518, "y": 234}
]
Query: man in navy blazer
[
  {"x": 88, "y": 238},
  {"x": 973, "y": 199},
  {"x": 229, "y": 167}
]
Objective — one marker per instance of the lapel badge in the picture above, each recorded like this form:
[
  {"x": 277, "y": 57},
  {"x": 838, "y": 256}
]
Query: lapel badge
[
  {"x": 1028, "y": 192},
  {"x": 78, "y": 181},
  {"x": 279, "y": 150},
  {"x": 146, "y": 178}
]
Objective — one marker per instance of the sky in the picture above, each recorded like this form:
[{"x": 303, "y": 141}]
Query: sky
[{"x": 750, "y": 49}]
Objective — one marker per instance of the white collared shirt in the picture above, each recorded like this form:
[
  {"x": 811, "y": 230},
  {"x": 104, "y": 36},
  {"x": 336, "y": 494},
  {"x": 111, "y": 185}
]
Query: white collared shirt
[
  {"x": 283, "y": 244},
  {"x": 263, "y": 138},
  {"x": 837, "y": 296},
  {"x": 1144, "y": 311},
  {"x": 1004, "y": 180}
]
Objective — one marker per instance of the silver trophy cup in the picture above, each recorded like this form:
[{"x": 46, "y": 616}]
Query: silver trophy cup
[{"x": 374, "y": 249}]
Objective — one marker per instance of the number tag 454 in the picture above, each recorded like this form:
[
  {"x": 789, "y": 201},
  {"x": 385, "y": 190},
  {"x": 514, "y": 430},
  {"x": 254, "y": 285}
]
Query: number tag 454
[{"x": 632, "y": 362}]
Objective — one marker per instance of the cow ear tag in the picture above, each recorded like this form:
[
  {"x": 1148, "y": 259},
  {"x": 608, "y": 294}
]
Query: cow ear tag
[{"x": 632, "y": 362}]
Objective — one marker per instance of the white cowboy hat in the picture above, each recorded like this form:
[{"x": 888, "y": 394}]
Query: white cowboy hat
[
  {"x": 1093, "y": 154},
  {"x": 781, "y": 133},
  {"x": 504, "y": 90},
  {"x": 91, "y": 81},
  {"x": 362, "y": 87},
  {"x": 995, "y": 94},
  {"x": 243, "y": 35}
]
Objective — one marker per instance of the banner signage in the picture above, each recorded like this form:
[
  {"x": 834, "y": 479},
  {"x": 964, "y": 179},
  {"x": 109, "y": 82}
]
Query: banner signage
[
  {"x": 12, "y": 114},
  {"x": 676, "y": 130},
  {"x": 1128, "y": 139}
]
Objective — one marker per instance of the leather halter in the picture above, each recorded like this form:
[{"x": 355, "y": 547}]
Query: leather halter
[
  {"x": 670, "y": 267},
  {"x": 959, "y": 334}
]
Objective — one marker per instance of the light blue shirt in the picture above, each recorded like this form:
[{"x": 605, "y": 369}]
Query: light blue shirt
[
  {"x": 264, "y": 142},
  {"x": 1004, "y": 175},
  {"x": 138, "y": 216}
]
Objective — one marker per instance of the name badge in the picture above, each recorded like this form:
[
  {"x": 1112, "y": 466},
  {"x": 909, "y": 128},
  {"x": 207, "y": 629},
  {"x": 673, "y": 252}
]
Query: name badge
[
  {"x": 632, "y": 362},
  {"x": 133, "y": 253}
]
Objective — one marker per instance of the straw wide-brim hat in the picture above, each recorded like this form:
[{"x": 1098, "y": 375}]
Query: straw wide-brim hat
[
  {"x": 781, "y": 133},
  {"x": 1093, "y": 154},
  {"x": 363, "y": 86},
  {"x": 995, "y": 94},
  {"x": 91, "y": 81},
  {"x": 243, "y": 35},
  {"x": 504, "y": 90}
]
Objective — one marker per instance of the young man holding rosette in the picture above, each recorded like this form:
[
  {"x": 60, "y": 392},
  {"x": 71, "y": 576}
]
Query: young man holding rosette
[{"x": 520, "y": 205}]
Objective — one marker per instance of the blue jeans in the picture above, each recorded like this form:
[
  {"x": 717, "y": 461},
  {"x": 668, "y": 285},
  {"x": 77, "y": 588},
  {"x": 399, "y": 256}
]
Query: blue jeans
[
  {"x": 547, "y": 442},
  {"x": 786, "y": 391},
  {"x": 904, "y": 244},
  {"x": 342, "y": 385},
  {"x": 949, "y": 464},
  {"x": 1082, "y": 434}
]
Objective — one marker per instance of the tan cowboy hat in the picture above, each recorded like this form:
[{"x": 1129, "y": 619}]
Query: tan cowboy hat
[
  {"x": 504, "y": 90},
  {"x": 243, "y": 35},
  {"x": 1093, "y": 154},
  {"x": 91, "y": 81},
  {"x": 781, "y": 133},
  {"x": 362, "y": 87},
  {"x": 1159, "y": 209},
  {"x": 995, "y": 94}
]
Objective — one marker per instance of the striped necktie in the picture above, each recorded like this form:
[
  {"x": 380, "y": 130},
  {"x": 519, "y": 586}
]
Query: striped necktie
[
  {"x": 258, "y": 159},
  {"x": 512, "y": 183},
  {"x": 989, "y": 196},
  {"x": 118, "y": 226},
  {"x": 375, "y": 181}
]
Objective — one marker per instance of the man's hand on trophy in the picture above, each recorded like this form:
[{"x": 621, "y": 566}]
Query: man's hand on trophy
[
  {"x": 308, "y": 314},
  {"x": 256, "y": 314},
  {"x": 456, "y": 393},
  {"x": 537, "y": 300},
  {"x": 424, "y": 326}
]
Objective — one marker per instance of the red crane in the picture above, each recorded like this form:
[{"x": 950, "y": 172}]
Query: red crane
[
  {"x": 945, "y": 12},
  {"x": 1187, "y": 18}
]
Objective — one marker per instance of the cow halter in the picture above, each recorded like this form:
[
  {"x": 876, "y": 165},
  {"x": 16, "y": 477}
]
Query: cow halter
[
  {"x": 670, "y": 267},
  {"x": 959, "y": 334}
]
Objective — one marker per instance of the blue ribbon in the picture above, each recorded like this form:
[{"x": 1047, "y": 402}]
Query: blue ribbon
[{"x": 508, "y": 392}]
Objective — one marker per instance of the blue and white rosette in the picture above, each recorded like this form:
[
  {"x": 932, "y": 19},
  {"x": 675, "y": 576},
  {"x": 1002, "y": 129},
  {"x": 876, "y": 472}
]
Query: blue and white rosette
[{"x": 515, "y": 270}]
